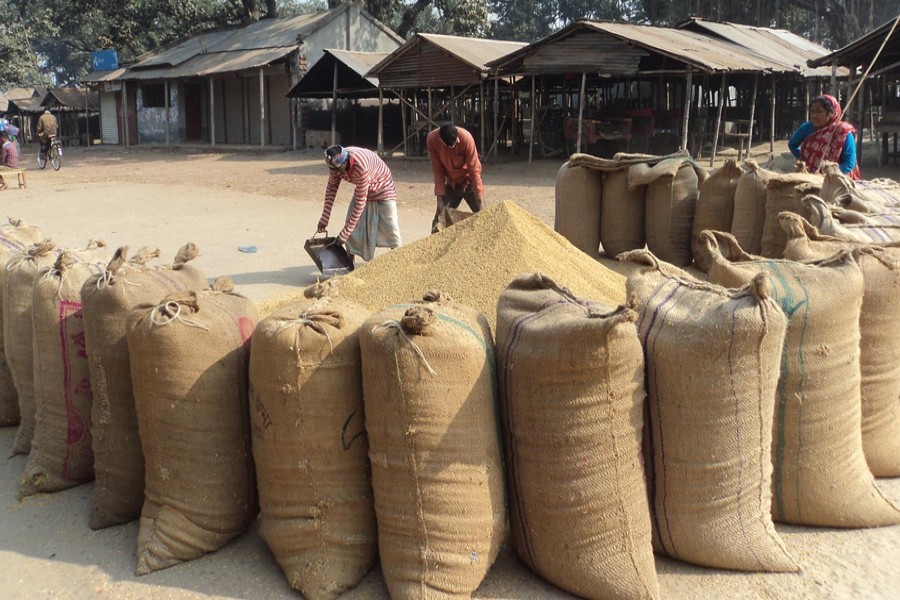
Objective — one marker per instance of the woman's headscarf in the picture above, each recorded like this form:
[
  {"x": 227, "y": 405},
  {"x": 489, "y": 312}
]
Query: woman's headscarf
[{"x": 828, "y": 143}]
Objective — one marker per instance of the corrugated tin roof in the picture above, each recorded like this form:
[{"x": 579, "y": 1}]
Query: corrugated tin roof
[
  {"x": 268, "y": 33},
  {"x": 475, "y": 52},
  {"x": 864, "y": 48},
  {"x": 352, "y": 82},
  {"x": 777, "y": 44},
  {"x": 211, "y": 64},
  {"x": 360, "y": 62},
  {"x": 703, "y": 52},
  {"x": 72, "y": 98},
  {"x": 27, "y": 105},
  {"x": 99, "y": 76}
]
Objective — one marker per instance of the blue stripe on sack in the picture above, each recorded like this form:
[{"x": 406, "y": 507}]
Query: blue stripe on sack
[{"x": 790, "y": 307}]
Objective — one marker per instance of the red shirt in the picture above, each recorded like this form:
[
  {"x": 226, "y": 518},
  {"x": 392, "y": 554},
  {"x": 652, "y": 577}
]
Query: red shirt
[
  {"x": 9, "y": 155},
  {"x": 373, "y": 182},
  {"x": 455, "y": 165}
]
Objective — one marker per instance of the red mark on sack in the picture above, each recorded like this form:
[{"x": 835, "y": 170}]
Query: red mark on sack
[{"x": 246, "y": 327}]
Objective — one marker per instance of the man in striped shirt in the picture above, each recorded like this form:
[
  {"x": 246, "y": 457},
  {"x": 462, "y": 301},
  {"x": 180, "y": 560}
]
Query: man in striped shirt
[{"x": 372, "y": 216}]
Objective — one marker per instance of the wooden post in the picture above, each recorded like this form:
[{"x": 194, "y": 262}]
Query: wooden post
[
  {"x": 403, "y": 122},
  {"x": 688, "y": 96},
  {"x": 580, "y": 110},
  {"x": 262, "y": 108},
  {"x": 380, "y": 122},
  {"x": 752, "y": 113},
  {"x": 212, "y": 113},
  {"x": 496, "y": 111},
  {"x": 334, "y": 86},
  {"x": 721, "y": 112},
  {"x": 481, "y": 107},
  {"x": 772, "y": 122},
  {"x": 167, "y": 112},
  {"x": 834, "y": 88},
  {"x": 125, "y": 135},
  {"x": 531, "y": 137}
]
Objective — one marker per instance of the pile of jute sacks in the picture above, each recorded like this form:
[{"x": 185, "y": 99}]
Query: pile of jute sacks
[
  {"x": 685, "y": 421},
  {"x": 771, "y": 366}
]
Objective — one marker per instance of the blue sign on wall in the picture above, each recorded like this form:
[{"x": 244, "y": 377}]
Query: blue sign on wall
[{"x": 105, "y": 60}]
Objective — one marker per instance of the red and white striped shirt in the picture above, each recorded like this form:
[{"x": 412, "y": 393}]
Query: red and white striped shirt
[{"x": 373, "y": 181}]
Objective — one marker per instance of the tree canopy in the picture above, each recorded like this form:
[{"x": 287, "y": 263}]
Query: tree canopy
[{"x": 48, "y": 42}]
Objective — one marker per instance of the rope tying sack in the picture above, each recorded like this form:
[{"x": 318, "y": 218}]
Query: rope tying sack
[
  {"x": 314, "y": 320},
  {"x": 414, "y": 321},
  {"x": 169, "y": 311}
]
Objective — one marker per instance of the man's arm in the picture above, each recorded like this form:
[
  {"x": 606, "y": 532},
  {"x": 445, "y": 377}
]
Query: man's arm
[
  {"x": 438, "y": 172},
  {"x": 331, "y": 188},
  {"x": 473, "y": 165}
]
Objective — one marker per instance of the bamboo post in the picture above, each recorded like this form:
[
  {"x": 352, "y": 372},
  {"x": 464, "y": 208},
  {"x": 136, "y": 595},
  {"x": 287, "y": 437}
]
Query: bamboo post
[
  {"x": 262, "y": 108},
  {"x": 167, "y": 111},
  {"x": 721, "y": 112},
  {"x": 580, "y": 110},
  {"x": 334, "y": 85},
  {"x": 531, "y": 137},
  {"x": 380, "y": 122},
  {"x": 772, "y": 122},
  {"x": 688, "y": 96},
  {"x": 212, "y": 113},
  {"x": 403, "y": 121},
  {"x": 496, "y": 111},
  {"x": 752, "y": 113},
  {"x": 481, "y": 92}
]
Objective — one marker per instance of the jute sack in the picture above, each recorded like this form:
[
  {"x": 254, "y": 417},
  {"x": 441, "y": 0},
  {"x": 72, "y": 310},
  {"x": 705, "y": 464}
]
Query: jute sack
[
  {"x": 862, "y": 196},
  {"x": 785, "y": 163},
  {"x": 821, "y": 216},
  {"x": 715, "y": 206},
  {"x": 17, "y": 332},
  {"x": 879, "y": 345},
  {"x": 430, "y": 402},
  {"x": 711, "y": 410},
  {"x": 61, "y": 454},
  {"x": 621, "y": 207},
  {"x": 783, "y": 193},
  {"x": 189, "y": 358},
  {"x": 820, "y": 474},
  {"x": 118, "y": 493},
  {"x": 671, "y": 202},
  {"x": 310, "y": 447},
  {"x": 622, "y": 214},
  {"x": 15, "y": 238},
  {"x": 572, "y": 395},
  {"x": 577, "y": 212},
  {"x": 750, "y": 207}
]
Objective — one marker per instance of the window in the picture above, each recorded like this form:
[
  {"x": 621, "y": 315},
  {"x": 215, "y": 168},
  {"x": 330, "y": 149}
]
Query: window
[{"x": 154, "y": 96}]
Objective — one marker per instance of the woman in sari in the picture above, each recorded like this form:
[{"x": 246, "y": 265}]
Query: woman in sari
[{"x": 826, "y": 138}]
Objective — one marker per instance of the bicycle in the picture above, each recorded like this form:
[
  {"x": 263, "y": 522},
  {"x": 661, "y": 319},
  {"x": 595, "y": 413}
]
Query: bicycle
[{"x": 54, "y": 153}]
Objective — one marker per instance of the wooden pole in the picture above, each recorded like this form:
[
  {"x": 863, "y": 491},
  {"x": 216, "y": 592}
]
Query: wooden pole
[
  {"x": 334, "y": 85},
  {"x": 721, "y": 112},
  {"x": 772, "y": 122},
  {"x": 496, "y": 111},
  {"x": 834, "y": 88},
  {"x": 688, "y": 95},
  {"x": 482, "y": 111},
  {"x": 580, "y": 110},
  {"x": 380, "y": 122},
  {"x": 212, "y": 113},
  {"x": 403, "y": 120},
  {"x": 167, "y": 112},
  {"x": 262, "y": 108},
  {"x": 125, "y": 113},
  {"x": 752, "y": 113},
  {"x": 531, "y": 137}
]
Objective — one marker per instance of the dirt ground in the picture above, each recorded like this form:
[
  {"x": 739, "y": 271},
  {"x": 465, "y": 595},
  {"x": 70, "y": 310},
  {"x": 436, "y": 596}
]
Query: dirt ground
[{"x": 272, "y": 200}]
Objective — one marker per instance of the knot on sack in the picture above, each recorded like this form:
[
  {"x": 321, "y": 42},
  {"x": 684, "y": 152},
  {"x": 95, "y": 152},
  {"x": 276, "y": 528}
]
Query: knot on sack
[
  {"x": 175, "y": 307},
  {"x": 185, "y": 254}
]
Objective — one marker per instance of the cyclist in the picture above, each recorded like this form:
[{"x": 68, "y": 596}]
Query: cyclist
[{"x": 47, "y": 127}]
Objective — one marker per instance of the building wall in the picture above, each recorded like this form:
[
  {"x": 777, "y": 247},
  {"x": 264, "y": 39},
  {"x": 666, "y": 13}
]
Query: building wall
[
  {"x": 151, "y": 121},
  {"x": 364, "y": 36}
]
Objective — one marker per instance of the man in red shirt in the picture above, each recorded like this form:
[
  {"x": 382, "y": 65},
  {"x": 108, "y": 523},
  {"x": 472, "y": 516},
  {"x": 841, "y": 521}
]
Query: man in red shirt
[
  {"x": 9, "y": 156},
  {"x": 372, "y": 215},
  {"x": 456, "y": 169}
]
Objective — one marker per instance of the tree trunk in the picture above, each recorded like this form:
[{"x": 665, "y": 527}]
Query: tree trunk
[
  {"x": 271, "y": 9},
  {"x": 409, "y": 17},
  {"x": 251, "y": 11}
]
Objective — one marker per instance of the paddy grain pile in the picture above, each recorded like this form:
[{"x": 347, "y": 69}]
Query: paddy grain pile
[{"x": 473, "y": 262}]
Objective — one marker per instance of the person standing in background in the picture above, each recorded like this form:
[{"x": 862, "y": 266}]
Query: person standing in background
[{"x": 456, "y": 169}]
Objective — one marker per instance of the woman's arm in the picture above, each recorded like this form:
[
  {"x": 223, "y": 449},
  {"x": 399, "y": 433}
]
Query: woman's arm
[
  {"x": 848, "y": 154},
  {"x": 799, "y": 136}
]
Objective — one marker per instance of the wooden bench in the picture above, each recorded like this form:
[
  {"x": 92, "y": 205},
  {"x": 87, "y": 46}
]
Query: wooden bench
[{"x": 20, "y": 176}]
